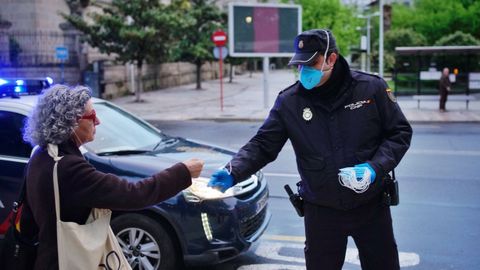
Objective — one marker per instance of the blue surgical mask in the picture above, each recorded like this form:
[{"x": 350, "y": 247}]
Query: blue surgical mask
[{"x": 310, "y": 77}]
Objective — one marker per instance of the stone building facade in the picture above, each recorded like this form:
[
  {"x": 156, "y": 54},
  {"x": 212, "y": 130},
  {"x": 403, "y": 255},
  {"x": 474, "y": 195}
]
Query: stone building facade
[{"x": 30, "y": 30}]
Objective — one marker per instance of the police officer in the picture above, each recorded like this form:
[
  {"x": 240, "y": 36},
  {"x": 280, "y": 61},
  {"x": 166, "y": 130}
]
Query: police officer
[{"x": 341, "y": 123}]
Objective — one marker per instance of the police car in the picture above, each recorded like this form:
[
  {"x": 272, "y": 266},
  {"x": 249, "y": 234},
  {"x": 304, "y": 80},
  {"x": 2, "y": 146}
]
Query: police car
[
  {"x": 14, "y": 87},
  {"x": 191, "y": 228}
]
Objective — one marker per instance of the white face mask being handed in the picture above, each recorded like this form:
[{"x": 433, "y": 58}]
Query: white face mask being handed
[{"x": 311, "y": 77}]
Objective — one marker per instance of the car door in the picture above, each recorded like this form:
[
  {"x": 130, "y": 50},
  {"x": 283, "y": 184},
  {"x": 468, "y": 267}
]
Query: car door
[{"x": 14, "y": 154}]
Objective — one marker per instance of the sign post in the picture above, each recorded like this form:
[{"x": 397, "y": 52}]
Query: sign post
[
  {"x": 219, "y": 38},
  {"x": 61, "y": 53}
]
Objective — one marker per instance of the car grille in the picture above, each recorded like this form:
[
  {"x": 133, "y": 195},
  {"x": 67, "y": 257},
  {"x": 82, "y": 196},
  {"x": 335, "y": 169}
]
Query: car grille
[{"x": 249, "y": 226}]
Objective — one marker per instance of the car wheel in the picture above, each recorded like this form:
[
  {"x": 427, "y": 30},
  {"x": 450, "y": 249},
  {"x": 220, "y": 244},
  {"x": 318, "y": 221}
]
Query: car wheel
[{"x": 145, "y": 243}]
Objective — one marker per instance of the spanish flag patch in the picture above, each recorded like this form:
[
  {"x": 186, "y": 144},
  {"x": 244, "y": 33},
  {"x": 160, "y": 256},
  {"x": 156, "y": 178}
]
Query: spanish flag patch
[{"x": 390, "y": 95}]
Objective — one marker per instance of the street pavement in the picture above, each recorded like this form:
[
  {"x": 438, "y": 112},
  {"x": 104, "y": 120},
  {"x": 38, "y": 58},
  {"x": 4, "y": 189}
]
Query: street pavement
[{"x": 244, "y": 100}]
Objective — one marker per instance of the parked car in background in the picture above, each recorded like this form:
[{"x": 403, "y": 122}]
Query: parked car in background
[{"x": 198, "y": 226}]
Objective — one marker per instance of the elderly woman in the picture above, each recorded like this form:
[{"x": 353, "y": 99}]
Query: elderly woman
[{"x": 65, "y": 117}]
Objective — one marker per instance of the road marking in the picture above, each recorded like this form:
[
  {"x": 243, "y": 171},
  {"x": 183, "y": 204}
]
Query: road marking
[
  {"x": 296, "y": 175},
  {"x": 272, "y": 251},
  {"x": 289, "y": 238},
  {"x": 271, "y": 267}
]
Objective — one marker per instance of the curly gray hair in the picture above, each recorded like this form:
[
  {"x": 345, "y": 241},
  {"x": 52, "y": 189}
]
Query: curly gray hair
[{"x": 56, "y": 114}]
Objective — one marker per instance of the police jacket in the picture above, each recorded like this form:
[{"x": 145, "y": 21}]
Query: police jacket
[{"x": 362, "y": 124}]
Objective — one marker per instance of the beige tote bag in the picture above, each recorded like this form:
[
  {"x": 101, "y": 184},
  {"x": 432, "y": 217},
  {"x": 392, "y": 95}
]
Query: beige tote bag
[{"x": 89, "y": 246}]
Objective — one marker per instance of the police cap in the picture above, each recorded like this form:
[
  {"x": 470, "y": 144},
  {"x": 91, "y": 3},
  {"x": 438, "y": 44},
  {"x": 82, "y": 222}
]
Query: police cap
[{"x": 310, "y": 44}]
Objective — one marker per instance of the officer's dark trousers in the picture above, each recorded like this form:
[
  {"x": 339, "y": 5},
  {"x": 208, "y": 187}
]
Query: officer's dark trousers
[{"x": 370, "y": 226}]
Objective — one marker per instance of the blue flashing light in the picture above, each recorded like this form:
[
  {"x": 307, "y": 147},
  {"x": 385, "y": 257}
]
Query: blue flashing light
[
  {"x": 49, "y": 80},
  {"x": 20, "y": 82},
  {"x": 18, "y": 89},
  {"x": 2, "y": 81}
]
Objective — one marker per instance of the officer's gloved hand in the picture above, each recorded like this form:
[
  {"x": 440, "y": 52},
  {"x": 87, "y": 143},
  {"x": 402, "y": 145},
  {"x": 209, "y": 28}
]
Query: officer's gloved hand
[
  {"x": 360, "y": 170},
  {"x": 221, "y": 179}
]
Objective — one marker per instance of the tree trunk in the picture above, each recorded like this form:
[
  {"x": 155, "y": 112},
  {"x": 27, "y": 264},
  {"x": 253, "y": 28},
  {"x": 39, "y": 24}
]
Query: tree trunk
[
  {"x": 199, "y": 75},
  {"x": 232, "y": 69},
  {"x": 139, "y": 89}
]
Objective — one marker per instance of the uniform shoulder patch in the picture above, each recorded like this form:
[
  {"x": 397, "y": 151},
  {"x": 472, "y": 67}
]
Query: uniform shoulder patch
[{"x": 390, "y": 95}]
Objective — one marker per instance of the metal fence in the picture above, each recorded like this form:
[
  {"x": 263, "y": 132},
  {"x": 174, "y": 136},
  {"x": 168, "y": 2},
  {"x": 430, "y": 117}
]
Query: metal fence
[{"x": 36, "y": 48}]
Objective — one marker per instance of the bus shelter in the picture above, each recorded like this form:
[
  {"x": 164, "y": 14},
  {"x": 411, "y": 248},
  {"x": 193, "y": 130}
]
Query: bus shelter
[{"x": 417, "y": 70}]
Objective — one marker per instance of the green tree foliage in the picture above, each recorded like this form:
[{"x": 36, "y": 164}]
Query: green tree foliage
[
  {"x": 398, "y": 38},
  {"x": 136, "y": 31},
  {"x": 334, "y": 15},
  {"x": 403, "y": 37},
  {"x": 458, "y": 38},
  {"x": 193, "y": 43},
  {"x": 438, "y": 18}
]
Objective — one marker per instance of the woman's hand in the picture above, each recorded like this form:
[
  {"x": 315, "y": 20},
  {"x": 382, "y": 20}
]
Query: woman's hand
[{"x": 195, "y": 166}]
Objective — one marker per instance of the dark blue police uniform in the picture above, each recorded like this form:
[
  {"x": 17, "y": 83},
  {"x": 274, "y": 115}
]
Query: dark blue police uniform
[{"x": 361, "y": 123}]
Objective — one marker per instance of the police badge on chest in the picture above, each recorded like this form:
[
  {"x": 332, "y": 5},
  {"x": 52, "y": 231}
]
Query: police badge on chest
[{"x": 307, "y": 114}]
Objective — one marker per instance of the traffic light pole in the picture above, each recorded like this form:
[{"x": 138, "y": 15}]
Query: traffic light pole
[{"x": 220, "y": 61}]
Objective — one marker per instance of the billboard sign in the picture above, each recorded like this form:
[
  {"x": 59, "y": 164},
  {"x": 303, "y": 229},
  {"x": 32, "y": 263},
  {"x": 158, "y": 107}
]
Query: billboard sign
[{"x": 263, "y": 30}]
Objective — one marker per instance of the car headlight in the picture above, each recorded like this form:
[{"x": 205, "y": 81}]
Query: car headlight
[{"x": 200, "y": 191}]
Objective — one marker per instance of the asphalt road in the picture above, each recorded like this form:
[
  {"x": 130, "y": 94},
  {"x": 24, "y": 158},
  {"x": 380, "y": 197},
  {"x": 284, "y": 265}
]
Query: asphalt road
[{"x": 437, "y": 224}]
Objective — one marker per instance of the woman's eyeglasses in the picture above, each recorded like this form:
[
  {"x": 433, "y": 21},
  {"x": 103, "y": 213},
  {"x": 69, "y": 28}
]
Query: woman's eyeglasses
[{"x": 91, "y": 116}]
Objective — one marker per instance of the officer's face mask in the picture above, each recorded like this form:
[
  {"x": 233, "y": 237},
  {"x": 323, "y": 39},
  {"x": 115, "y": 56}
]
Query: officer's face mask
[{"x": 310, "y": 76}]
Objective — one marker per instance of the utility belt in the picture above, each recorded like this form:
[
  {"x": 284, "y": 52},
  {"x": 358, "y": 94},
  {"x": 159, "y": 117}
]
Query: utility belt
[{"x": 390, "y": 194}]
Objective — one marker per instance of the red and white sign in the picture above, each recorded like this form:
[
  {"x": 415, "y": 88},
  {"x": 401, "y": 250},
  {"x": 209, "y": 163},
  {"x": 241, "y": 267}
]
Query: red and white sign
[{"x": 219, "y": 38}]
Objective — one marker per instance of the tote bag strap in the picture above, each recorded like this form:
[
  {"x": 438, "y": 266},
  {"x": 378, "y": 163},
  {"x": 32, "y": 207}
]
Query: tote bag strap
[{"x": 53, "y": 152}]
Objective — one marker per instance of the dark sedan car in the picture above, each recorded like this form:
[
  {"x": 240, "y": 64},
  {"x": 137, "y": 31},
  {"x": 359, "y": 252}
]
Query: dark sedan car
[{"x": 197, "y": 226}]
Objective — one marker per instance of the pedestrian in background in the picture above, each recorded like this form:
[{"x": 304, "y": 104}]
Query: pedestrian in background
[
  {"x": 444, "y": 87},
  {"x": 346, "y": 128},
  {"x": 65, "y": 118}
]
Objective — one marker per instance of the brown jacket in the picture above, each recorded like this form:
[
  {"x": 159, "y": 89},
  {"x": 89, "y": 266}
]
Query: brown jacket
[
  {"x": 82, "y": 188},
  {"x": 444, "y": 84}
]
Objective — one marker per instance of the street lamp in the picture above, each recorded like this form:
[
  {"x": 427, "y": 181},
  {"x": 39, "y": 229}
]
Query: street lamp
[{"x": 368, "y": 17}]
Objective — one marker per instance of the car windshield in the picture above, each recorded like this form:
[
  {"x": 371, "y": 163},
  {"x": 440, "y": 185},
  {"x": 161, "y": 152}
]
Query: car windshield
[{"x": 121, "y": 133}]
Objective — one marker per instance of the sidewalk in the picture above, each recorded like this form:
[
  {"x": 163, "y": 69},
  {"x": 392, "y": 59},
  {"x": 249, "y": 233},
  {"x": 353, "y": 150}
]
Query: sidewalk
[{"x": 243, "y": 100}]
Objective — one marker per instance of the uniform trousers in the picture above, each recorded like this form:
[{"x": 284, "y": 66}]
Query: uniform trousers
[{"x": 370, "y": 226}]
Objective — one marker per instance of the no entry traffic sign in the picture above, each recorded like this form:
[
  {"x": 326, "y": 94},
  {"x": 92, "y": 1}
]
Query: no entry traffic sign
[{"x": 219, "y": 38}]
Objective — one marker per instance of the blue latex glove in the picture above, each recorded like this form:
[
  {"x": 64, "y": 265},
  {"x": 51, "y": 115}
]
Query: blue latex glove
[
  {"x": 360, "y": 170},
  {"x": 221, "y": 180}
]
